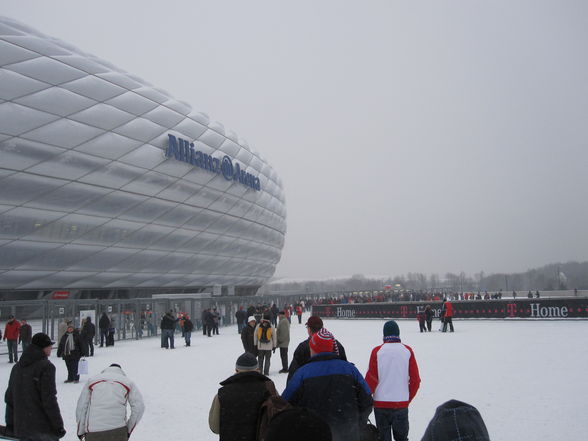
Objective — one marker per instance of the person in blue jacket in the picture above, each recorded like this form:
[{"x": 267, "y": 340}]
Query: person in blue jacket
[{"x": 333, "y": 388}]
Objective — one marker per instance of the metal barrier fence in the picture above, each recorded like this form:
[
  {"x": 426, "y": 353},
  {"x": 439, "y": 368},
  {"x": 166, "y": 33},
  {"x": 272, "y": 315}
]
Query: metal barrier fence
[
  {"x": 130, "y": 318},
  {"x": 138, "y": 318}
]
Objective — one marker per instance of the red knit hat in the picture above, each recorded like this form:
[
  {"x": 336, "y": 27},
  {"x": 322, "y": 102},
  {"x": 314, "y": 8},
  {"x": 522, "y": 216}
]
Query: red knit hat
[{"x": 322, "y": 341}]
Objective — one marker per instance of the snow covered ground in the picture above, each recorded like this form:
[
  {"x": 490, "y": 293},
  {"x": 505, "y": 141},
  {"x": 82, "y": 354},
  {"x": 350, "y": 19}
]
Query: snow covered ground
[{"x": 528, "y": 379}]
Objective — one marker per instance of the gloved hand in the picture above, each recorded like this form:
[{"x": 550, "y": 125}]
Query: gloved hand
[
  {"x": 273, "y": 350},
  {"x": 60, "y": 432}
]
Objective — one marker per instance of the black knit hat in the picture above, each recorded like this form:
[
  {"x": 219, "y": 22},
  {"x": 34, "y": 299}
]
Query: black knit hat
[
  {"x": 456, "y": 420},
  {"x": 307, "y": 423},
  {"x": 42, "y": 340},
  {"x": 246, "y": 362}
]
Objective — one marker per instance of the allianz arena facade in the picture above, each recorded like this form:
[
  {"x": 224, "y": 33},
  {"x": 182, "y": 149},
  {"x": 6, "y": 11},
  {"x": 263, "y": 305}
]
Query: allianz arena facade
[{"x": 108, "y": 183}]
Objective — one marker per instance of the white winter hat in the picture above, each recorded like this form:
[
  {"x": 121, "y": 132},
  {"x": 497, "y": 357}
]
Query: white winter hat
[{"x": 251, "y": 319}]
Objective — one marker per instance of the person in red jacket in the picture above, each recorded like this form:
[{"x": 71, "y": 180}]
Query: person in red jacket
[
  {"x": 299, "y": 313},
  {"x": 448, "y": 318},
  {"x": 11, "y": 333},
  {"x": 393, "y": 377}
]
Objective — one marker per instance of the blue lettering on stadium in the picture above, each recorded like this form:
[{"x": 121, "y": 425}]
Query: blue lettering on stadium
[{"x": 182, "y": 150}]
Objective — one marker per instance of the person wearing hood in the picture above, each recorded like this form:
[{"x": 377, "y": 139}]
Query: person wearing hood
[
  {"x": 70, "y": 349},
  {"x": 102, "y": 407},
  {"x": 393, "y": 377},
  {"x": 247, "y": 336},
  {"x": 456, "y": 420},
  {"x": 32, "y": 411}
]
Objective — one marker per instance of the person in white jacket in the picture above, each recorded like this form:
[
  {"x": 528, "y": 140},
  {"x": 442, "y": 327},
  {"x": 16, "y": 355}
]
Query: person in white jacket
[{"x": 101, "y": 413}]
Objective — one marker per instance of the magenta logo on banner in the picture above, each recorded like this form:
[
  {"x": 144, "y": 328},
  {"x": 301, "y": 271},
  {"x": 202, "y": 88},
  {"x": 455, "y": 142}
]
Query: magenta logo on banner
[
  {"x": 404, "y": 311},
  {"x": 511, "y": 308}
]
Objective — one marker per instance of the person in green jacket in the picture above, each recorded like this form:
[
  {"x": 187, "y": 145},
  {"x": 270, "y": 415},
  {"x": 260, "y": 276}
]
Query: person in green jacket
[{"x": 283, "y": 334}]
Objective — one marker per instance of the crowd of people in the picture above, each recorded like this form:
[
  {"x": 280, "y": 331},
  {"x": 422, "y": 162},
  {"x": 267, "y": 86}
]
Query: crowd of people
[
  {"x": 16, "y": 332},
  {"x": 325, "y": 398},
  {"x": 425, "y": 317},
  {"x": 410, "y": 296}
]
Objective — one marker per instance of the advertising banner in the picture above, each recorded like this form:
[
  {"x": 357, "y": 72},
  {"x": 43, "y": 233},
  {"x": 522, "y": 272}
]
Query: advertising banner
[
  {"x": 60, "y": 295},
  {"x": 560, "y": 308}
]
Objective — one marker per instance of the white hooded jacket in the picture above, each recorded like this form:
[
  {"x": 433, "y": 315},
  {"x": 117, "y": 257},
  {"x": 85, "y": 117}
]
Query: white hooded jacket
[{"x": 103, "y": 403}]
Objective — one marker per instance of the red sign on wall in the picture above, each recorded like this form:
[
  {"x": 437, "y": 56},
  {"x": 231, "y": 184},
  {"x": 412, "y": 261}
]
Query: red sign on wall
[{"x": 60, "y": 295}]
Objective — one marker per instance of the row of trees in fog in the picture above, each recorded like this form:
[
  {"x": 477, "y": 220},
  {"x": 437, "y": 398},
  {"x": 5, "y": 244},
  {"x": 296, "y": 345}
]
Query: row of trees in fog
[{"x": 554, "y": 276}]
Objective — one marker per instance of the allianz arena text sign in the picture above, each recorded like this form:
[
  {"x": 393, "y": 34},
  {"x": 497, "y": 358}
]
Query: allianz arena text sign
[
  {"x": 184, "y": 151},
  {"x": 564, "y": 308}
]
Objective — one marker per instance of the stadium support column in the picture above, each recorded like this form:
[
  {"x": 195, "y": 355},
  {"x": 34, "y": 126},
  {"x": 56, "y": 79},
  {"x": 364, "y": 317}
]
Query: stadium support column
[{"x": 231, "y": 290}]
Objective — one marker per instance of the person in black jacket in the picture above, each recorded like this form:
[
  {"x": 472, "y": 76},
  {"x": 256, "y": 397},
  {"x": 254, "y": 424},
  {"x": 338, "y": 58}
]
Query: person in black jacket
[
  {"x": 215, "y": 321},
  {"x": 188, "y": 328},
  {"x": 209, "y": 321},
  {"x": 70, "y": 349},
  {"x": 429, "y": 317},
  {"x": 241, "y": 316},
  {"x": 104, "y": 325},
  {"x": 203, "y": 320},
  {"x": 275, "y": 311},
  {"x": 168, "y": 326},
  {"x": 25, "y": 334},
  {"x": 32, "y": 412},
  {"x": 88, "y": 332},
  {"x": 456, "y": 420},
  {"x": 308, "y": 426},
  {"x": 235, "y": 408},
  {"x": 302, "y": 353},
  {"x": 248, "y": 337},
  {"x": 333, "y": 388},
  {"x": 251, "y": 310}
]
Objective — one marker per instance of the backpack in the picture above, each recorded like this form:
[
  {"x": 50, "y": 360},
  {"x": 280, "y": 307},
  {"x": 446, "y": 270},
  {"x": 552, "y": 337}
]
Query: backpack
[
  {"x": 272, "y": 406},
  {"x": 264, "y": 334},
  {"x": 368, "y": 432}
]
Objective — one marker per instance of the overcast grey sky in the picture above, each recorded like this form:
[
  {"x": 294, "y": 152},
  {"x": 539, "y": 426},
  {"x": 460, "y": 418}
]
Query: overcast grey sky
[{"x": 427, "y": 136}]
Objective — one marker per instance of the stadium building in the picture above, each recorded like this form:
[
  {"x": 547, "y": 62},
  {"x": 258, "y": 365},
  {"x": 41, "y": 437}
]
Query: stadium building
[{"x": 111, "y": 187}]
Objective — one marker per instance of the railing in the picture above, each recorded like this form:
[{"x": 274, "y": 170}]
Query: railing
[{"x": 131, "y": 318}]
